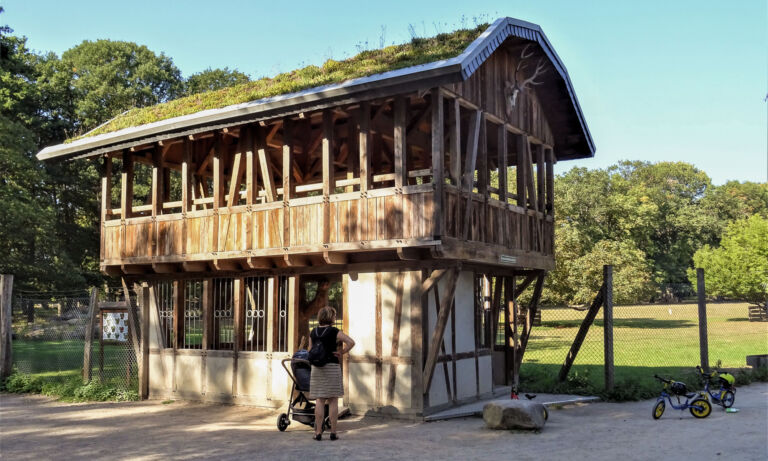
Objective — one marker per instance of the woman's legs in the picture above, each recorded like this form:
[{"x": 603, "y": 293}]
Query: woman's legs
[
  {"x": 333, "y": 412},
  {"x": 319, "y": 415}
]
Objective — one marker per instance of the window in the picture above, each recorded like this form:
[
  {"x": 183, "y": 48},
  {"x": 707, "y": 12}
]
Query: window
[
  {"x": 256, "y": 313},
  {"x": 164, "y": 302},
  {"x": 192, "y": 331},
  {"x": 223, "y": 307}
]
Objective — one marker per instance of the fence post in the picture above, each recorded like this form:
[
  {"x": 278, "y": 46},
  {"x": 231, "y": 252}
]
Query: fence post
[
  {"x": 89, "y": 336},
  {"x": 703, "y": 342},
  {"x": 608, "y": 325},
  {"x": 6, "y": 327},
  {"x": 143, "y": 299}
]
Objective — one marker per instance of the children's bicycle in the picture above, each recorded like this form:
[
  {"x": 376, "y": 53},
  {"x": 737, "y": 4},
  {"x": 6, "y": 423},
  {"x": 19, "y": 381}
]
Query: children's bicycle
[
  {"x": 726, "y": 395},
  {"x": 696, "y": 402}
]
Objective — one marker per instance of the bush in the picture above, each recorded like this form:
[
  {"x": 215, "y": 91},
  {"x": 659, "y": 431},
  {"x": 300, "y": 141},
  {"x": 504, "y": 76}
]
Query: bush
[{"x": 69, "y": 389}]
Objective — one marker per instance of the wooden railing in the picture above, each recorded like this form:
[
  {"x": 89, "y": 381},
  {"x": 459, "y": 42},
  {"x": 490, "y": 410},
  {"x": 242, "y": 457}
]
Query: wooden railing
[{"x": 380, "y": 219}]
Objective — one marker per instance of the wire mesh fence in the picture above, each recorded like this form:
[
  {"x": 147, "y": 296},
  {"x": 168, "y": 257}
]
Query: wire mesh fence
[
  {"x": 647, "y": 339},
  {"x": 49, "y": 338}
]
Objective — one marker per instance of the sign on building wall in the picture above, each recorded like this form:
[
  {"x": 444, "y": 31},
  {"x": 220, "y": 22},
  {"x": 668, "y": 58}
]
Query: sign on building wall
[{"x": 115, "y": 326}]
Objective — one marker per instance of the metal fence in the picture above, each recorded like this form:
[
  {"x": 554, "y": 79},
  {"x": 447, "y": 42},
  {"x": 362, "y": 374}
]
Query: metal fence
[
  {"x": 646, "y": 339},
  {"x": 49, "y": 338}
]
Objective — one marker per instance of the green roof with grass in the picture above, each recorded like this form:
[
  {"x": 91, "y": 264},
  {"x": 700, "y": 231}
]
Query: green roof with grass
[{"x": 417, "y": 51}]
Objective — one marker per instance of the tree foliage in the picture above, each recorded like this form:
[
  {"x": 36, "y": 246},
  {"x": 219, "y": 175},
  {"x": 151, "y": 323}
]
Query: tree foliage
[
  {"x": 738, "y": 268},
  {"x": 213, "y": 79}
]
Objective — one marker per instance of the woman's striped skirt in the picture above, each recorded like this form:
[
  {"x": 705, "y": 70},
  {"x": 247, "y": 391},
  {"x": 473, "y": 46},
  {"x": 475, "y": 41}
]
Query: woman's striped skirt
[{"x": 325, "y": 382}]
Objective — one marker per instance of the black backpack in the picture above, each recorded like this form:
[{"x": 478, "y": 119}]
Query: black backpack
[{"x": 317, "y": 355}]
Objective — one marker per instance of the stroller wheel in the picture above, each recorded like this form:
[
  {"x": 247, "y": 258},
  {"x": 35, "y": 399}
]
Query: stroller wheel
[
  {"x": 327, "y": 423},
  {"x": 283, "y": 422}
]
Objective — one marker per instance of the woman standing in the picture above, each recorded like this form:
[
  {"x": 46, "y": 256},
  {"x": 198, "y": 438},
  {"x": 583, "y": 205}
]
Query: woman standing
[{"x": 325, "y": 385}]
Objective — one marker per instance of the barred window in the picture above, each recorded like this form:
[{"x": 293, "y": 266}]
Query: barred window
[
  {"x": 281, "y": 323},
  {"x": 256, "y": 313},
  {"x": 192, "y": 332},
  {"x": 164, "y": 301},
  {"x": 223, "y": 308}
]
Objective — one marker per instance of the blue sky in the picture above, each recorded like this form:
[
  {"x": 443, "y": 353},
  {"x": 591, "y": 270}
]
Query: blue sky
[{"x": 657, "y": 80}]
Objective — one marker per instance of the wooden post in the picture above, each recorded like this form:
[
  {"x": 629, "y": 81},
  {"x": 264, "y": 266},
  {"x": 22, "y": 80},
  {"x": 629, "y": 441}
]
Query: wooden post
[
  {"x": 157, "y": 197},
  {"x": 106, "y": 199},
  {"x": 143, "y": 298},
  {"x": 446, "y": 305},
  {"x": 455, "y": 143},
  {"x": 6, "y": 327},
  {"x": 92, "y": 308},
  {"x": 185, "y": 192},
  {"x": 703, "y": 341},
  {"x": 133, "y": 332},
  {"x": 608, "y": 325},
  {"x": 126, "y": 190},
  {"x": 288, "y": 181},
  {"x": 438, "y": 157},
  {"x": 522, "y": 171},
  {"x": 541, "y": 178},
  {"x": 550, "y": 207},
  {"x": 328, "y": 173}
]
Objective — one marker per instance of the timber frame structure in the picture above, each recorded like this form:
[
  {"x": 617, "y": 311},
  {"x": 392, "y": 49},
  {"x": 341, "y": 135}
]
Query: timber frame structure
[{"x": 427, "y": 190}]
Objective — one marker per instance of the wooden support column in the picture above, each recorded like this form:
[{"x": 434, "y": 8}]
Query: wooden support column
[
  {"x": 522, "y": 171},
  {"x": 132, "y": 326},
  {"x": 395, "y": 349},
  {"x": 438, "y": 157},
  {"x": 363, "y": 143},
  {"x": 533, "y": 306},
  {"x": 250, "y": 184},
  {"x": 541, "y": 178},
  {"x": 218, "y": 188},
  {"x": 238, "y": 335},
  {"x": 143, "y": 299},
  {"x": 157, "y": 197},
  {"x": 468, "y": 180},
  {"x": 185, "y": 192},
  {"x": 329, "y": 183},
  {"x": 482, "y": 180},
  {"x": 502, "y": 162},
  {"x": 92, "y": 310},
  {"x": 288, "y": 181},
  {"x": 401, "y": 171},
  {"x": 126, "y": 198},
  {"x": 701, "y": 291},
  {"x": 455, "y": 143},
  {"x": 106, "y": 198},
  {"x": 582, "y": 333},
  {"x": 446, "y": 373},
  {"x": 550, "y": 202},
  {"x": 6, "y": 325}
]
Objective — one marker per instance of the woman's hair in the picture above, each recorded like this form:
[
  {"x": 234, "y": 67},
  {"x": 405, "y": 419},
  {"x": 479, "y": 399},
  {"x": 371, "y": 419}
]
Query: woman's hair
[{"x": 326, "y": 315}]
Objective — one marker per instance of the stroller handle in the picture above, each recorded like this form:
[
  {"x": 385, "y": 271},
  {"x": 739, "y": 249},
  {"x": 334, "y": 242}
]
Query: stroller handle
[{"x": 288, "y": 369}]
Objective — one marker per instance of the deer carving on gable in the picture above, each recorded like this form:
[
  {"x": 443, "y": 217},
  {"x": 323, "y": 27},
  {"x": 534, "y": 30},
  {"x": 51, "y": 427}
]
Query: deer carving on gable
[{"x": 512, "y": 89}]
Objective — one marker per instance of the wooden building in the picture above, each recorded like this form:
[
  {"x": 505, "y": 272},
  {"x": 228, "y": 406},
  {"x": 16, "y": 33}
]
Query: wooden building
[{"x": 427, "y": 191}]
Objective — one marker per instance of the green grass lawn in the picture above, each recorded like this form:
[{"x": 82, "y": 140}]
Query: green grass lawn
[
  {"x": 59, "y": 361},
  {"x": 648, "y": 339}
]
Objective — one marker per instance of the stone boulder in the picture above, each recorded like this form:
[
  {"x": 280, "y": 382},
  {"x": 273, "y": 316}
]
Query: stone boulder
[{"x": 514, "y": 414}]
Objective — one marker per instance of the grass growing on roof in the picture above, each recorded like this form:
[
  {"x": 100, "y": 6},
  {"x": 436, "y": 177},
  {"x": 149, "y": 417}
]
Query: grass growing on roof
[{"x": 367, "y": 63}]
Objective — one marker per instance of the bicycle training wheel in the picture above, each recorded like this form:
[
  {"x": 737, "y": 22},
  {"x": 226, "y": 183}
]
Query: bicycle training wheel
[
  {"x": 727, "y": 399},
  {"x": 658, "y": 409},
  {"x": 704, "y": 408}
]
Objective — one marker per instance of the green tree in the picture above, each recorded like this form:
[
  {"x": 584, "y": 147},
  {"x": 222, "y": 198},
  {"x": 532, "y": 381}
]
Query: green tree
[
  {"x": 213, "y": 79},
  {"x": 95, "y": 81},
  {"x": 738, "y": 268}
]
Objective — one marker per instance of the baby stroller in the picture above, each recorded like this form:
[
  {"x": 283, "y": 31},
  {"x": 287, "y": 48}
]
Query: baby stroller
[{"x": 300, "y": 407}]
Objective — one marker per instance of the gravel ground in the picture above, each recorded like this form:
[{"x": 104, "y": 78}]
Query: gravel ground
[{"x": 35, "y": 427}]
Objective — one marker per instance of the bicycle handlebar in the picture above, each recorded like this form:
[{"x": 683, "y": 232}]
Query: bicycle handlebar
[{"x": 662, "y": 379}]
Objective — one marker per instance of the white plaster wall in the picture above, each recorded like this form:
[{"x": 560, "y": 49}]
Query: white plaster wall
[
  {"x": 486, "y": 374},
  {"x": 362, "y": 313},
  {"x": 160, "y": 367},
  {"x": 218, "y": 375},
  {"x": 252, "y": 378},
  {"x": 189, "y": 376}
]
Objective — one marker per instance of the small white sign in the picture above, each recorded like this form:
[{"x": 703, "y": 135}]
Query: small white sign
[
  {"x": 115, "y": 326},
  {"x": 507, "y": 259}
]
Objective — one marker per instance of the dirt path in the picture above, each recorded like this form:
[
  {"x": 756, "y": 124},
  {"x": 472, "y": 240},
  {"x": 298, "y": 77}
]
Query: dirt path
[{"x": 35, "y": 427}]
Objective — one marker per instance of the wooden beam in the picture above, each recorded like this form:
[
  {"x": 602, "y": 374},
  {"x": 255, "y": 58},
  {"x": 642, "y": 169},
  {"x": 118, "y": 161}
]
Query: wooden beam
[
  {"x": 482, "y": 179},
  {"x": 132, "y": 327},
  {"x": 194, "y": 266},
  {"x": 532, "y": 308},
  {"x": 265, "y": 164},
  {"x": 335, "y": 258},
  {"x": 433, "y": 278},
  {"x": 218, "y": 189},
  {"x": 225, "y": 265},
  {"x": 142, "y": 296},
  {"x": 395, "y": 349},
  {"x": 438, "y": 157},
  {"x": 92, "y": 308},
  {"x": 455, "y": 142},
  {"x": 106, "y": 200},
  {"x": 446, "y": 304},
  {"x": 446, "y": 374},
  {"x": 468, "y": 179},
  {"x": 165, "y": 268},
  {"x": 540, "y": 177}
]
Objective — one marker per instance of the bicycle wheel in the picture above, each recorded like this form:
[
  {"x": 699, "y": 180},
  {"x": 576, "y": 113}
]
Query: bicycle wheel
[
  {"x": 727, "y": 399},
  {"x": 703, "y": 410},
  {"x": 658, "y": 409}
]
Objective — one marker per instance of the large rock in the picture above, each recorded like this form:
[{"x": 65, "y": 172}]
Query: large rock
[{"x": 514, "y": 414}]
